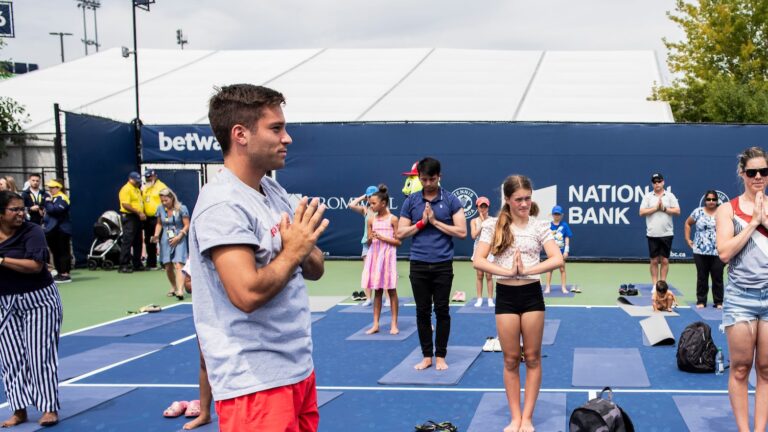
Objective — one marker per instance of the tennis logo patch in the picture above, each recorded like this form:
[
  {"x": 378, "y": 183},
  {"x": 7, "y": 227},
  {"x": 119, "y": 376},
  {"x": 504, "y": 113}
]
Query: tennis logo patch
[{"x": 467, "y": 198}]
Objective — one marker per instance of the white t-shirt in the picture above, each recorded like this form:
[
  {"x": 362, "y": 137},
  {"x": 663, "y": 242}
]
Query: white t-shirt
[
  {"x": 529, "y": 240},
  {"x": 659, "y": 224}
]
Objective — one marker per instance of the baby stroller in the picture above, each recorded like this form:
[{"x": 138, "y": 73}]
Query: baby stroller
[{"x": 105, "y": 249}]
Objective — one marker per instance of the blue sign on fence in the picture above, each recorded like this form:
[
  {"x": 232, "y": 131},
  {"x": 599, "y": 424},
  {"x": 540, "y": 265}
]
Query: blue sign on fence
[{"x": 6, "y": 19}]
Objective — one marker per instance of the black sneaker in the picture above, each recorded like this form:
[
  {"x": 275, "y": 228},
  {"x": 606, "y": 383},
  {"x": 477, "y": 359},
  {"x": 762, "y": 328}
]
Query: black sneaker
[
  {"x": 59, "y": 279},
  {"x": 125, "y": 270},
  {"x": 623, "y": 289}
]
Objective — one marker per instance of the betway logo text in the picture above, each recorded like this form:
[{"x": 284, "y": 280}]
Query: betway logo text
[{"x": 189, "y": 142}]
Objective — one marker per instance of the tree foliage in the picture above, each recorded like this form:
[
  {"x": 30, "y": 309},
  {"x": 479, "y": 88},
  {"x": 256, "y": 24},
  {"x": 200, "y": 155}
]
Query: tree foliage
[
  {"x": 13, "y": 115},
  {"x": 721, "y": 67}
]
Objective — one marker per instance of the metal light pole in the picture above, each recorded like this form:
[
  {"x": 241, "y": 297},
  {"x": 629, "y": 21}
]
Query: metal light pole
[
  {"x": 141, "y": 4},
  {"x": 95, "y": 4},
  {"x": 81, "y": 4},
  {"x": 61, "y": 40},
  {"x": 92, "y": 5}
]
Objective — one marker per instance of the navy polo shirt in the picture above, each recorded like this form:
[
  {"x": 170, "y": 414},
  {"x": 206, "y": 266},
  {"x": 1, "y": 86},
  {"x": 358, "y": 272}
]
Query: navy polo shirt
[{"x": 430, "y": 244}]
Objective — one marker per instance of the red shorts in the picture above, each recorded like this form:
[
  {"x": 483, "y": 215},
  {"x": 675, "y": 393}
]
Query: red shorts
[{"x": 291, "y": 408}]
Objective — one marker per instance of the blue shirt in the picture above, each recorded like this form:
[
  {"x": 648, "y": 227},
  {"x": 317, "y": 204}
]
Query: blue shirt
[
  {"x": 271, "y": 346},
  {"x": 430, "y": 244},
  {"x": 704, "y": 240},
  {"x": 560, "y": 233}
]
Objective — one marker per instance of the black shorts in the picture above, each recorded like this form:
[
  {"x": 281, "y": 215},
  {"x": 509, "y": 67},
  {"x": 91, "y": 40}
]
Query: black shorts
[
  {"x": 659, "y": 246},
  {"x": 519, "y": 299}
]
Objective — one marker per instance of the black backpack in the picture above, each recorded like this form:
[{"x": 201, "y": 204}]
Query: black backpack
[
  {"x": 696, "y": 350},
  {"x": 600, "y": 415}
]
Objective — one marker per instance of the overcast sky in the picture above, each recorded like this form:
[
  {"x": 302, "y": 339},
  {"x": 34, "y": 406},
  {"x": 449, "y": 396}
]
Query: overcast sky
[{"x": 258, "y": 24}]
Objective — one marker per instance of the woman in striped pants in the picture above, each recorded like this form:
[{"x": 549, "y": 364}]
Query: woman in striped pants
[{"x": 30, "y": 316}]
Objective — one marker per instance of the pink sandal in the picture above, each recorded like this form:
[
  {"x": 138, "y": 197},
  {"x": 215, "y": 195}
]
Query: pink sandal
[
  {"x": 193, "y": 409},
  {"x": 176, "y": 409}
]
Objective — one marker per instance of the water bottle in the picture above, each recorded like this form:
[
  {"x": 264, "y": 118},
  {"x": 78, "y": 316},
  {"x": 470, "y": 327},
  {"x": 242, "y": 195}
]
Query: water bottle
[{"x": 719, "y": 366}]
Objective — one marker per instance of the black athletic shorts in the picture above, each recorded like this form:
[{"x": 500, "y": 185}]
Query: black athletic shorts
[
  {"x": 659, "y": 246},
  {"x": 519, "y": 299}
]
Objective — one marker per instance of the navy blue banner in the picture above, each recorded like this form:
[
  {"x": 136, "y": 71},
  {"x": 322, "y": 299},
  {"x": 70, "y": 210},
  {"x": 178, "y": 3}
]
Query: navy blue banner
[
  {"x": 180, "y": 144},
  {"x": 6, "y": 19}
]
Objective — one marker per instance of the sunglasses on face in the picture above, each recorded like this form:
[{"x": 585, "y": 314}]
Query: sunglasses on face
[
  {"x": 658, "y": 181},
  {"x": 711, "y": 199},
  {"x": 752, "y": 172}
]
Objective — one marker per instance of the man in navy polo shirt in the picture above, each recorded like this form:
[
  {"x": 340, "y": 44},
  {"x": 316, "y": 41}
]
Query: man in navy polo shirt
[{"x": 432, "y": 216}]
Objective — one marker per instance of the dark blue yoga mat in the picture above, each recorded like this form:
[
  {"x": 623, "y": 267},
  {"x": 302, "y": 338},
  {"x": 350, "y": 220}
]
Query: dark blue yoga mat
[
  {"x": 492, "y": 413},
  {"x": 708, "y": 313},
  {"x": 556, "y": 291},
  {"x": 88, "y": 361},
  {"x": 135, "y": 325},
  {"x": 359, "y": 308},
  {"x": 459, "y": 359},
  {"x": 550, "y": 331},
  {"x": 710, "y": 413},
  {"x": 614, "y": 367},
  {"x": 469, "y": 307},
  {"x": 74, "y": 400},
  {"x": 406, "y": 325}
]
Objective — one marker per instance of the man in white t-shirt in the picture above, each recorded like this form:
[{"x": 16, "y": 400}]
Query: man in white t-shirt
[{"x": 658, "y": 207}]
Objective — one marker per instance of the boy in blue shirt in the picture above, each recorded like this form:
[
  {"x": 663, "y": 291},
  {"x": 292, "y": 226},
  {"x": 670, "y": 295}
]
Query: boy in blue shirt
[{"x": 562, "y": 233}]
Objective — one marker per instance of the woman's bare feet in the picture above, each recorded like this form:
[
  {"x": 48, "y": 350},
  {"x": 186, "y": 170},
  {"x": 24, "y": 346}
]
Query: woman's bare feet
[
  {"x": 546, "y": 290},
  {"x": 527, "y": 426},
  {"x": 48, "y": 419},
  {"x": 202, "y": 419},
  {"x": 513, "y": 426},
  {"x": 372, "y": 330},
  {"x": 699, "y": 306},
  {"x": 393, "y": 330},
  {"x": 565, "y": 290},
  {"x": 425, "y": 363},
  {"x": 18, "y": 417},
  {"x": 441, "y": 364}
]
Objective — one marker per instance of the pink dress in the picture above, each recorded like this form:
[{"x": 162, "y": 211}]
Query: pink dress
[{"x": 380, "y": 267}]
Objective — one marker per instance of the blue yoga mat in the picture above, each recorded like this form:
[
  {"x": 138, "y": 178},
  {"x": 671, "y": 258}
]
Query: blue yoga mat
[
  {"x": 459, "y": 359},
  {"x": 753, "y": 377},
  {"x": 359, "y": 308},
  {"x": 636, "y": 300},
  {"x": 614, "y": 367},
  {"x": 136, "y": 324},
  {"x": 556, "y": 291},
  {"x": 492, "y": 413},
  {"x": 550, "y": 331},
  {"x": 317, "y": 317},
  {"x": 710, "y": 413},
  {"x": 323, "y": 397},
  {"x": 708, "y": 313},
  {"x": 74, "y": 400},
  {"x": 407, "y": 326},
  {"x": 469, "y": 307},
  {"x": 646, "y": 288},
  {"x": 88, "y": 361}
]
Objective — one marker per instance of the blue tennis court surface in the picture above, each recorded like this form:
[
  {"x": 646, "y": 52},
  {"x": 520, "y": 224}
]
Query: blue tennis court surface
[{"x": 131, "y": 390}]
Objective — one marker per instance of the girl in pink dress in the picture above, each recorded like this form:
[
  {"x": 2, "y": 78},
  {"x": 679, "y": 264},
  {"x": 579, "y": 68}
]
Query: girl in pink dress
[{"x": 380, "y": 268}]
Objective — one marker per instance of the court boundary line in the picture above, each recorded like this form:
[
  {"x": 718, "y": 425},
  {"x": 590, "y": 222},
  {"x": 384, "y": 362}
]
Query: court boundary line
[{"x": 548, "y": 306}]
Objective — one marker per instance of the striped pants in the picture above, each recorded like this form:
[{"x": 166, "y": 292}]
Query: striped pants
[{"x": 29, "y": 342}]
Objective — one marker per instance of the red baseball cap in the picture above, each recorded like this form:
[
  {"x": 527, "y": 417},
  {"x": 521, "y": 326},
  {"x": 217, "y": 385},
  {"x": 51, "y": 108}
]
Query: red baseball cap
[
  {"x": 482, "y": 200},
  {"x": 413, "y": 171}
]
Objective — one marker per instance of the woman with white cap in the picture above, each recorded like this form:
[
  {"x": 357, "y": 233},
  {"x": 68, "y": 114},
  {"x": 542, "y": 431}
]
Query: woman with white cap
[{"x": 58, "y": 230}]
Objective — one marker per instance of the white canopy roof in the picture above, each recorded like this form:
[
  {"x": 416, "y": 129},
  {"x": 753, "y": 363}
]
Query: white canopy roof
[{"x": 330, "y": 85}]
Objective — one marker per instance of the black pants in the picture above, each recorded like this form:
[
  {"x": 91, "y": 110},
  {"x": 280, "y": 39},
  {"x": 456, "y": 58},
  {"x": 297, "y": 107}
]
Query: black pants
[
  {"x": 58, "y": 242},
  {"x": 149, "y": 231},
  {"x": 706, "y": 266},
  {"x": 431, "y": 284},
  {"x": 131, "y": 241}
]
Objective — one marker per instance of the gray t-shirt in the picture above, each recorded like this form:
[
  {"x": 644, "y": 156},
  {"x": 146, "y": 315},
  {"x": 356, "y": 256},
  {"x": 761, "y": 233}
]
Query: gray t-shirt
[
  {"x": 659, "y": 224},
  {"x": 272, "y": 346}
]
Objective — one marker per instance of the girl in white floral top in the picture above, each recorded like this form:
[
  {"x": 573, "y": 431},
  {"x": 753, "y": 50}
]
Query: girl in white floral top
[{"x": 516, "y": 241}]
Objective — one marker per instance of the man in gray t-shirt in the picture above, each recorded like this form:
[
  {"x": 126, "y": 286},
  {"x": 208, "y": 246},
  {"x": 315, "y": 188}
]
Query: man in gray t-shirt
[
  {"x": 250, "y": 260},
  {"x": 658, "y": 207}
]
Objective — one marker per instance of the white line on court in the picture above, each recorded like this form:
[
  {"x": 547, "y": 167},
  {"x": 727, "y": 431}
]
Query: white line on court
[
  {"x": 118, "y": 320},
  {"x": 548, "y": 306},
  {"x": 122, "y": 362},
  {"x": 590, "y": 392}
]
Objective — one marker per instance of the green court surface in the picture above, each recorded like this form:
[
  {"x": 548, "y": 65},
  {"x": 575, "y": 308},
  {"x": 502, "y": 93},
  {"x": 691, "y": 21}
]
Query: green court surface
[{"x": 98, "y": 296}]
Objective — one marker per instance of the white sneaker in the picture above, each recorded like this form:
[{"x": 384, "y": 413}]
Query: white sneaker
[
  {"x": 496, "y": 345},
  {"x": 366, "y": 303},
  {"x": 479, "y": 302},
  {"x": 488, "y": 346},
  {"x": 386, "y": 300},
  {"x": 491, "y": 303}
]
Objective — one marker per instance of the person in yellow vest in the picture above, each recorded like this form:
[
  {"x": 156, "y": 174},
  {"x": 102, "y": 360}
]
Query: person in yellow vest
[
  {"x": 132, "y": 211},
  {"x": 150, "y": 192}
]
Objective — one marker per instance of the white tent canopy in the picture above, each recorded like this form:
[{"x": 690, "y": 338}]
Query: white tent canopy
[{"x": 332, "y": 85}]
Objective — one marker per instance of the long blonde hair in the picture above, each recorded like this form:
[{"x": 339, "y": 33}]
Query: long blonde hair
[
  {"x": 502, "y": 235},
  {"x": 169, "y": 193}
]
